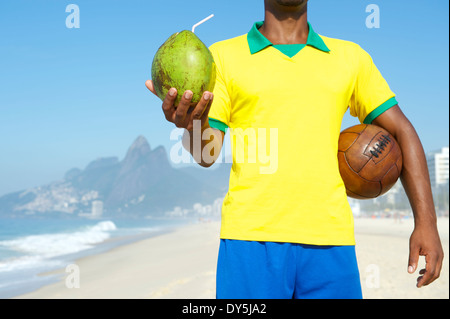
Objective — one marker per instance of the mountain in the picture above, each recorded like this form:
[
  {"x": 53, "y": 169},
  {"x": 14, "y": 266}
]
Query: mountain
[{"x": 143, "y": 184}]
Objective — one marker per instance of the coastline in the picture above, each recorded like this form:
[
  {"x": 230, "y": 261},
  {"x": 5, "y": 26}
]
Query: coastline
[
  {"x": 47, "y": 253},
  {"x": 158, "y": 267},
  {"x": 181, "y": 265}
]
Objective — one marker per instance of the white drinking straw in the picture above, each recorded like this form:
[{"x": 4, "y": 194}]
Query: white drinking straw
[{"x": 204, "y": 20}]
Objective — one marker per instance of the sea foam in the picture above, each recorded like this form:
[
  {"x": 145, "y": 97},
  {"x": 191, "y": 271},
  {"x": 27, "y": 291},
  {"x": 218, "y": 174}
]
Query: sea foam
[{"x": 37, "y": 248}]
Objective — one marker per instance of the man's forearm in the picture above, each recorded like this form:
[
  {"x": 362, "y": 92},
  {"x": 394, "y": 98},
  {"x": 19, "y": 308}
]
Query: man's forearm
[
  {"x": 204, "y": 144},
  {"x": 424, "y": 240},
  {"x": 415, "y": 176}
]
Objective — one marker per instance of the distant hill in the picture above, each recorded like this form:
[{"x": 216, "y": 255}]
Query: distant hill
[{"x": 143, "y": 184}]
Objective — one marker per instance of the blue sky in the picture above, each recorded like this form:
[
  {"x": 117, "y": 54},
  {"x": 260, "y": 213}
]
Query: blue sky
[{"x": 69, "y": 96}]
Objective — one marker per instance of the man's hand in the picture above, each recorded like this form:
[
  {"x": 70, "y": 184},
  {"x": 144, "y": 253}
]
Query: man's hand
[
  {"x": 184, "y": 115},
  {"x": 425, "y": 241},
  {"x": 415, "y": 178}
]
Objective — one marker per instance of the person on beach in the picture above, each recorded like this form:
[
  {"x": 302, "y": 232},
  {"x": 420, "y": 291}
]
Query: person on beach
[{"x": 287, "y": 230}]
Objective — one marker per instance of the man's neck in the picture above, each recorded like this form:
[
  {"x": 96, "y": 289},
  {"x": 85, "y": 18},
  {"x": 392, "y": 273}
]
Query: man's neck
[{"x": 285, "y": 25}]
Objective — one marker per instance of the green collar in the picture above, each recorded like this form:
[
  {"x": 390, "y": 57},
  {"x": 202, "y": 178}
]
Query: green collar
[{"x": 257, "y": 42}]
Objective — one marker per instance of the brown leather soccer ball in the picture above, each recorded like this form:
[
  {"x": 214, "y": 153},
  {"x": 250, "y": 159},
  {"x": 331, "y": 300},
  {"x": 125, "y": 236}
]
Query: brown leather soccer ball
[{"x": 370, "y": 160}]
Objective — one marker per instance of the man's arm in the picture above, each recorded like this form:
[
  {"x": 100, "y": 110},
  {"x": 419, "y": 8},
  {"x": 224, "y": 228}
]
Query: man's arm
[
  {"x": 415, "y": 178},
  {"x": 203, "y": 142},
  {"x": 208, "y": 149}
]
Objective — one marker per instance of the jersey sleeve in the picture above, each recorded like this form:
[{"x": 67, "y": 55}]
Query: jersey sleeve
[
  {"x": 220, "y": 112},
  {"x": 371, "y": 95}
]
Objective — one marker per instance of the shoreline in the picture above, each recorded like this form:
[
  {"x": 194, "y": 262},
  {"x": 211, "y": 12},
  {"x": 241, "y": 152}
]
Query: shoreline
[
  {"x": 182, "y": 264},
  {"x": 32, "y": 279},
  {"x": 118, "y": 272}
]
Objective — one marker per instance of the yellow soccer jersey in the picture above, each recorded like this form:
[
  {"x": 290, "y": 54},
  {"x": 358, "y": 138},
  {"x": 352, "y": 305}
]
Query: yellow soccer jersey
[{"x": 284, "y": 115}]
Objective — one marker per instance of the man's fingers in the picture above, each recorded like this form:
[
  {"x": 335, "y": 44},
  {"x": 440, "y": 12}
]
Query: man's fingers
[
  {"x": 201, "y": 106},
  {"x": 183, "y": 115},
  {"x": 208, "y": 106},
  {"x": 167, "y": 106},
  {"x": 431, "y": 271},
  {"x": 413, "y": 259},
  {"x": 180, "y": 114},
  {"x": 200, "y": 109},
  {"x": 150, "y": 86}
]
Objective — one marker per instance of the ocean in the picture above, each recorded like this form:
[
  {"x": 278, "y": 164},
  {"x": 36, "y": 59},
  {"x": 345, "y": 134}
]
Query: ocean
[{"x": 30, "y": 247}]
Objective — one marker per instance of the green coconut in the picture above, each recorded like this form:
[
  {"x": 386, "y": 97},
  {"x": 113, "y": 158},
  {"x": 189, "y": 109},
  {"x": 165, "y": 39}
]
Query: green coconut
[{"x": 185, "y": 63}]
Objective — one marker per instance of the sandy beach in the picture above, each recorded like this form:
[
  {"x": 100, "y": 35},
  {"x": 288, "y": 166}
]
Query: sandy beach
[{"x": 182, "y": 265}]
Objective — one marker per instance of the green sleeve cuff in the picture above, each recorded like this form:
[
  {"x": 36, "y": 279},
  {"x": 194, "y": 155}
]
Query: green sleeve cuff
[
  {"x": 218, "y": 125},
  {"x": 380, "y": 110}
]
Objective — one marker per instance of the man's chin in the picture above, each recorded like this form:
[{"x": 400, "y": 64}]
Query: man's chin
[{"x": 291, "y": 3}]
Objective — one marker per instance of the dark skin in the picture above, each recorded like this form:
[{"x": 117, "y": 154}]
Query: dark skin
[
  {"x": 285, "y": 22},
  {"x": 415, "y": 178},
  {"x": 184, "y": 116}
]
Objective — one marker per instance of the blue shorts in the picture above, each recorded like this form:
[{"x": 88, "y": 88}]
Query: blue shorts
[{"x": 269, "y": 270}]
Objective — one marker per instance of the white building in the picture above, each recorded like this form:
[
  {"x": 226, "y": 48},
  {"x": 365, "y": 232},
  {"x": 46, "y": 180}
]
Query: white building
[{"x": 438, "y": 166}]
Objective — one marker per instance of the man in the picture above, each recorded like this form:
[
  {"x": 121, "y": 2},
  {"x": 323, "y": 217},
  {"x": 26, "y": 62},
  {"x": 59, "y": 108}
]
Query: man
[{"x": 289, "y": 233}]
